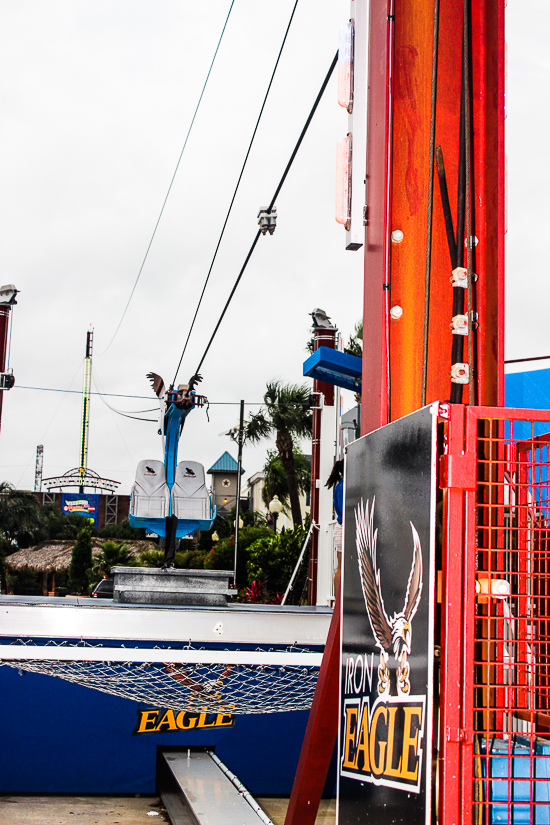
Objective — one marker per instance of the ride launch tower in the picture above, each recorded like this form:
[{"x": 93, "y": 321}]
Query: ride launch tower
[
  {"x": 444, "y": 669},
  {"x": 443, "y": 709}
]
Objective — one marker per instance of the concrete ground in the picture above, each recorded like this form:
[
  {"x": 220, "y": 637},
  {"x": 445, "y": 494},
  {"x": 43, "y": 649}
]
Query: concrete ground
[
  {"x": 275, "y": 808},
  {"x": 120, "y": 810},
  {"x": 81, "y": 810}
]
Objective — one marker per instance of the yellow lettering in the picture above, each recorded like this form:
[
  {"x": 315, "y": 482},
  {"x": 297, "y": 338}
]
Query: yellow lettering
[
  {"x": 185, "y": 721},
  {"x": 202, "y": 723},
  {"x": 148, "y": 717},
  {"x": 363, "y": 742},
  {"x": 224, "y": 720},
  {"x": 377, "y": 767},
  {"x": 390, "y": 770},
  {"x": 167, "y": 722},
  {"x": 349, "y": 739},
  {"x": 410, "y": 742}
]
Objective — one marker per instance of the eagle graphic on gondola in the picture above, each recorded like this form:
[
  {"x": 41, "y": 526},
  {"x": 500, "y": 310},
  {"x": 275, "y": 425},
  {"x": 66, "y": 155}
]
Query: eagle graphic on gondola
[{"x": 394, "y": 633}]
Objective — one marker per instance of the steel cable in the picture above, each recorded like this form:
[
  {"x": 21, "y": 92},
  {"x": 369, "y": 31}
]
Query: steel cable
[
  {"x": 171, "y": 182},
  {"x": 235, "y": 193},
  {"x": 271, "y": 204}
]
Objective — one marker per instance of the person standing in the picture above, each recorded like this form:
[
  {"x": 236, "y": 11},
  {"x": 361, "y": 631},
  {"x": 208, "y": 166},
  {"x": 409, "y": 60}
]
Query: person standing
[{"x": 336, "y": 482}]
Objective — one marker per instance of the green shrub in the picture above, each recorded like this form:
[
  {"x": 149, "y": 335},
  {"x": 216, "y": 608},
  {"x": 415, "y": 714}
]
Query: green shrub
[
  {"x": 122, "y": 531},
  {"x": 272, "y": 559},
  {"x": 222, "y": 555},
  {"x": 192, "y": 560}
]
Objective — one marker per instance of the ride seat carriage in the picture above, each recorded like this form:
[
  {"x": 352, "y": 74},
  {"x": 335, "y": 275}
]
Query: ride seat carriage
[
  {"x": 153, "y": 503},
  {"x": 189, "y": 497},
  {"x": 150, "y": 497}
]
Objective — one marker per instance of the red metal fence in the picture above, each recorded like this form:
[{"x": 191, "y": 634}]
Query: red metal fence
[{"x": 494, "y": 588}]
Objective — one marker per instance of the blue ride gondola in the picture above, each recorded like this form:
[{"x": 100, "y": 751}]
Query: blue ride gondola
[{"x": 170, "y": 498}]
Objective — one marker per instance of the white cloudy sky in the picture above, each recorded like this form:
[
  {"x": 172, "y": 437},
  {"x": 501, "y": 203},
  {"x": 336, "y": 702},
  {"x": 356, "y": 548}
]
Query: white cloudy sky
[{"x": 95, "y": 100}]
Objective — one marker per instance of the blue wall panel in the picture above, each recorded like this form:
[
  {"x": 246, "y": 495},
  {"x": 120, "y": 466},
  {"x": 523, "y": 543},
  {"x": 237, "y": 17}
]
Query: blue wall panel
[
  {"x": 528, "y": 390},
  {"x": 58, "y": 737}
]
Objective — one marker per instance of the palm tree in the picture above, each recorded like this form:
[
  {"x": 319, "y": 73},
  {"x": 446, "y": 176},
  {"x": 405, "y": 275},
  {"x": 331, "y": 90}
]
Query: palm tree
[
  {"x": 112, "y": 555},
  {"x": 275, "y": 483},
  {"x": 287, "y": 414}
]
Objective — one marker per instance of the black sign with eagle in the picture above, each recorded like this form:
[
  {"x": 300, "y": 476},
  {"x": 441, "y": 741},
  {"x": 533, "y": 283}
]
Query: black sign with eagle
[{"x": 386, "y": 722}]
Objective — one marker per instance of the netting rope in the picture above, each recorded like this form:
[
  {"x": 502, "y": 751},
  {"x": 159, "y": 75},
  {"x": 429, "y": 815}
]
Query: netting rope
[{"x": 215, "y": 687}]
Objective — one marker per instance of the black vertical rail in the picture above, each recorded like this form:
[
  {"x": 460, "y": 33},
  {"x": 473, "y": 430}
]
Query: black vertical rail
[
  {"x": 457, "y": 349},
  {"x": 240, "y": 440}
]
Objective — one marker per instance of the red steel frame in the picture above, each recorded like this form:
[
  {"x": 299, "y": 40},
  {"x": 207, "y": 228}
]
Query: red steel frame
[
  {"x": 398, "y": 157},
  {"x": 495, "y": 475}
]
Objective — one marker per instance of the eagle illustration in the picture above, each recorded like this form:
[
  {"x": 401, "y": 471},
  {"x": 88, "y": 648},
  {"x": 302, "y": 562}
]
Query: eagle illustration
[{"x": 391, "y": 633}]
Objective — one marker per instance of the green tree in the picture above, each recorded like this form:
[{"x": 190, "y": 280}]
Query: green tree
[
  {"x": 20, "y": 520},
  {"x": 355, "y": 342},
  {"x": 275, "y": 483},
  {"x": 288, "y": 416},
  {"x": 57, "y": 525},
  {"x": 81, "y": 560}
]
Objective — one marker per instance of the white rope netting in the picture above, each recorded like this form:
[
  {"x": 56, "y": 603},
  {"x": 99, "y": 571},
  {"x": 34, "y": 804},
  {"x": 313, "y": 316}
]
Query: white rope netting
[{"x": 219, "y": 687}]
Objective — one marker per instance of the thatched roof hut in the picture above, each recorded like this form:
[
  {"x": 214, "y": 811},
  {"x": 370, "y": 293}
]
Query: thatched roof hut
[{"x": 55, "y": 555}]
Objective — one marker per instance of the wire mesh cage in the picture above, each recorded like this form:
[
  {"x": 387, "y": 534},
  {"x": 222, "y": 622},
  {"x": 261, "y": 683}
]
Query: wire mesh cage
[{"x": 502, "y": 524}]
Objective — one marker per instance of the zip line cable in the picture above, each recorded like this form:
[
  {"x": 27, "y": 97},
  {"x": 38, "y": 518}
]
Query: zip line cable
[
  {"x": 270, "y": 207},
  {"x": 171, "y": 183},
  {"x": 235, "y": 191}
]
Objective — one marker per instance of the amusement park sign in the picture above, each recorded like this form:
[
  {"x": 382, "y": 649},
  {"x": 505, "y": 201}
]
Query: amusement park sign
[{"x": 386, "y": 708}]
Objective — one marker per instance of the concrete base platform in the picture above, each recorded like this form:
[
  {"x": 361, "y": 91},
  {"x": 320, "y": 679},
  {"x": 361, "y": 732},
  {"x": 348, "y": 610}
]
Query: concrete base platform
[
  {"x": 84, "y": 810},
  {"x": 147, "y": 585}
]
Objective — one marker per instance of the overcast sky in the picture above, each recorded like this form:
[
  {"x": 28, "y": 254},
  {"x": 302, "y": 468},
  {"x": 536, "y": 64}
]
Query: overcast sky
[{"x": 96, "y": 97}]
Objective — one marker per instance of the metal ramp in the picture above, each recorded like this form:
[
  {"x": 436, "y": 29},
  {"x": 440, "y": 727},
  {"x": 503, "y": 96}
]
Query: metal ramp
[{"x": 197, "y": 789}]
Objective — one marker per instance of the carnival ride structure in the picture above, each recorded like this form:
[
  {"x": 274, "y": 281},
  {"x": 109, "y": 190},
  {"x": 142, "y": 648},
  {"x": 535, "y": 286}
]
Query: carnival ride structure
[{"x": 170, "y": 498}]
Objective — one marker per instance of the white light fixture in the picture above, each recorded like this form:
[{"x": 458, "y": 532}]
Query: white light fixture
[
  {"x": 215, "y": 536},
  {"x": 275, "y": 505},
  {"x": 345, "y": 66},
  {"x": 343, "y": 182}
]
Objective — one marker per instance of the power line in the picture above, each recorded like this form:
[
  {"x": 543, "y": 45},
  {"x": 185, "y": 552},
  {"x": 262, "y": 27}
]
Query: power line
[
  {"x": 125, "y": 413},
  {"x": 270, "y": 207},
  {"x": 148, "y": 398},
  {"x": 235, "y": 191},
  {"x": 171, "y": 182}
]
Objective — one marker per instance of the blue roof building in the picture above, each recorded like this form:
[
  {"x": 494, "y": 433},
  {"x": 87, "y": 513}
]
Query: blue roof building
[{"x": 224, "y": 483}]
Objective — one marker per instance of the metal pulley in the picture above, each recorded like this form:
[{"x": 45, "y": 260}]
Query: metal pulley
[{"x": 267, "y": 219}]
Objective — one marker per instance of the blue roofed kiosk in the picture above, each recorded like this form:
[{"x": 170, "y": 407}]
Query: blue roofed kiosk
[{"x": 224, "y": 483}]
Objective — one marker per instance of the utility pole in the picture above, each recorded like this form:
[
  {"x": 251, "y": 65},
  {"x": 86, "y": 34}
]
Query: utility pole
[
  {"x": 86, "y": 386},
  {"x": 240, "y": 440}
]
